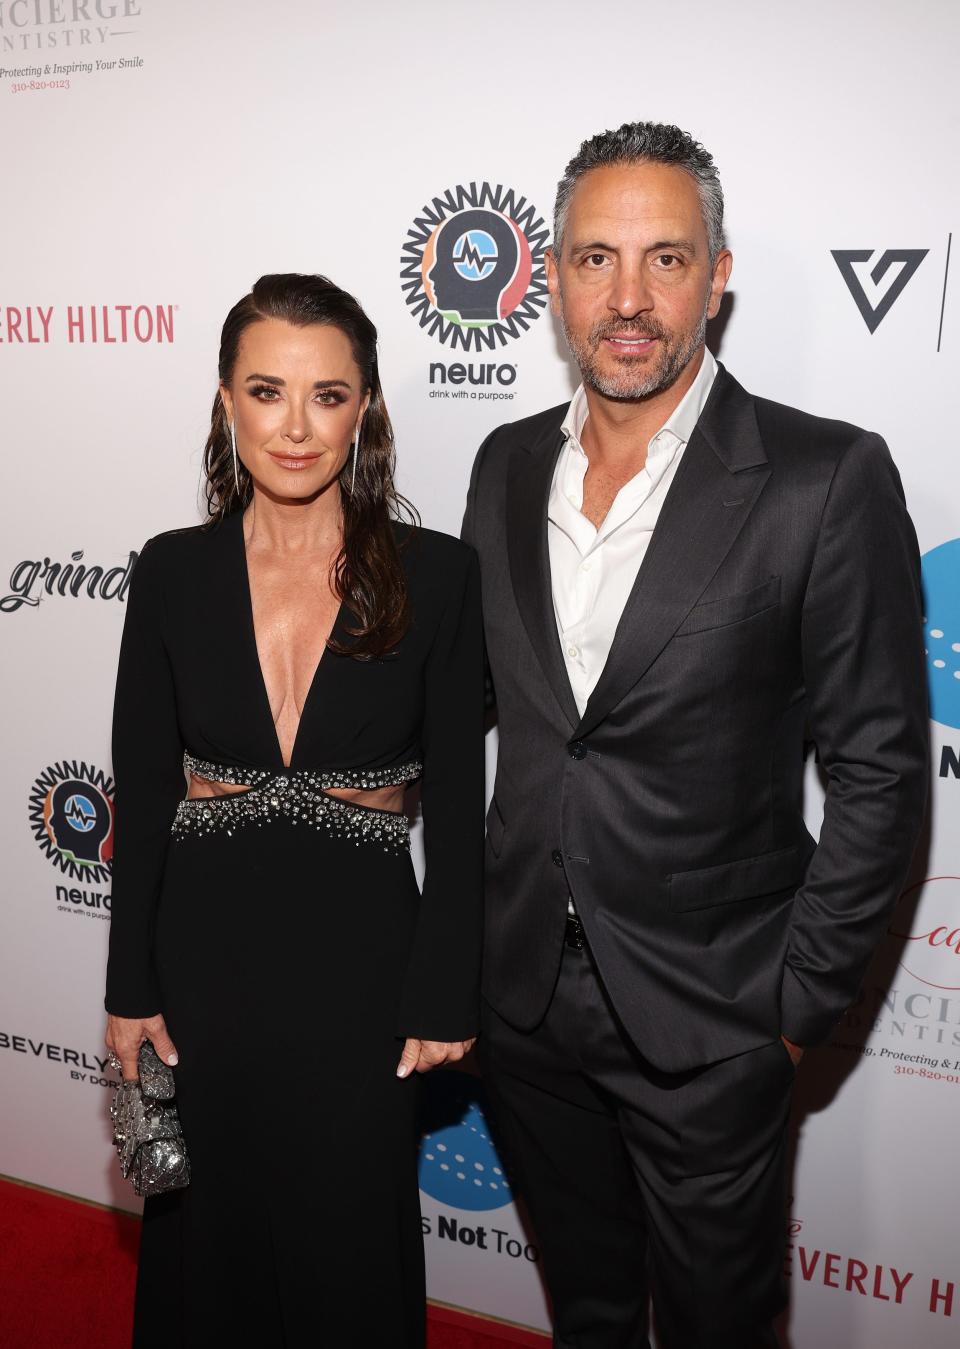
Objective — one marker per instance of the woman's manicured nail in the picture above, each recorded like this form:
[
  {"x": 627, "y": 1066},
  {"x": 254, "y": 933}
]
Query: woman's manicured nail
[
  {"x": 173, "y": 1060},
  {"x": 402, "y": 1070}
]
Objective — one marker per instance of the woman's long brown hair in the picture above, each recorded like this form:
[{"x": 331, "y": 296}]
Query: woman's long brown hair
[{"x": 368, "y": 574}]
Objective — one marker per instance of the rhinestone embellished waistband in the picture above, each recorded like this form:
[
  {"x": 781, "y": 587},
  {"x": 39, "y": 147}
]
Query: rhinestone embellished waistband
[
  {"x": 320, "y": 780},
  {"x": 299, "y": 797}
]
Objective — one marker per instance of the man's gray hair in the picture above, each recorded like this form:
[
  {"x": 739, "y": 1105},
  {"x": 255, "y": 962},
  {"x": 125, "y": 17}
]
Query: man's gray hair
[{"x": 656, "y": 143}]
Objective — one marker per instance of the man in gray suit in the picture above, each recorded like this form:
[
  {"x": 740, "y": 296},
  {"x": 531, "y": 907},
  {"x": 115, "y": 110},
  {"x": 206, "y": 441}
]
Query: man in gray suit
[{"x": 682, "y": 583}]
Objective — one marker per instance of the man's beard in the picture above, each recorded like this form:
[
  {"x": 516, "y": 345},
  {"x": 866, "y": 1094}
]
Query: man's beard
[{"x": 629, "y": 383}]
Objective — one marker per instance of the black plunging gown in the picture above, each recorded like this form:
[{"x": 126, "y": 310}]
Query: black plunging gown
[{"x": 282, "y": 934}]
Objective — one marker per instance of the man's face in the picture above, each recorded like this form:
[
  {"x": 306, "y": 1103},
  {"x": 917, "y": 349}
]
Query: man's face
[{"x": 634, "y": 285}]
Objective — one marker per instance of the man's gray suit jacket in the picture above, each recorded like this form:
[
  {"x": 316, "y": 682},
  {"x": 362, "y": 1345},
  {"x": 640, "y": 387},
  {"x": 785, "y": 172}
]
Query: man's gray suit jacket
[{"x": 778, "y": 603}]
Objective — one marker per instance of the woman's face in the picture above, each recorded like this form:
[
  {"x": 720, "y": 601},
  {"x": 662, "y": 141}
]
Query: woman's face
[{"x": 297, "y": 399}]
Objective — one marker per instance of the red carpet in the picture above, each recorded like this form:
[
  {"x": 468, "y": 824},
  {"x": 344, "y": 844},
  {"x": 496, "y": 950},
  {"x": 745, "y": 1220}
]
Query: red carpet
[{"x": 67, "y": 1272}]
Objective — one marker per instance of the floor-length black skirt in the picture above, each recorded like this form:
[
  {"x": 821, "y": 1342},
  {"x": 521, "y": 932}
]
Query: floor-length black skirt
[{"x": 280, "y": 952}]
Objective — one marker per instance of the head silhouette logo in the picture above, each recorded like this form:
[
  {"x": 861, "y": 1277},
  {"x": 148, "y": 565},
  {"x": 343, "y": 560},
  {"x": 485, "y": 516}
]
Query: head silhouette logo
[
  {"x": 71, "y": 815},
  {"x": 941, "y": 631},
  {"x": 876, "y": 291},
  {"x": 928, "y": 925},
  {"x": 472, "y": 267},
  {"x": 458, "y": 1163}
]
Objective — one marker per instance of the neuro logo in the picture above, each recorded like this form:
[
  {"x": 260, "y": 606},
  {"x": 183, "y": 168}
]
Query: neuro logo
[
  {"x": 941, "y": 629},
  {"x": 80, "y": 813},
  {"x": 475, "y": 255},
  {"x": 929, "y": 927},
  {"x": 458, "y": 1163},
  {"x": 874, "y": 310},
  {"x": 71, "y": 815},
  {"x": 472, "y": 266}
]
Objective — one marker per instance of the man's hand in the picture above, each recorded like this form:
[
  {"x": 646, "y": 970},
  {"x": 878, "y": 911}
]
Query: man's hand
[
  {"x": 795, "y": 1052},
  {"x": 421, "y": 1055},
  {"x": 125, "y": 1035}
]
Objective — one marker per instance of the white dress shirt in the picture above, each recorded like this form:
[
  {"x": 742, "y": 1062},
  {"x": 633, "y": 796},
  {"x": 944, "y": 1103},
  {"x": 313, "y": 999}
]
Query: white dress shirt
[{"x": 592, "y": 571}]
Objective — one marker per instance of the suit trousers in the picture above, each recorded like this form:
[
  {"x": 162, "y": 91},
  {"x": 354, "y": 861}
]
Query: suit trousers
[{"x": 641, "y": 1182}]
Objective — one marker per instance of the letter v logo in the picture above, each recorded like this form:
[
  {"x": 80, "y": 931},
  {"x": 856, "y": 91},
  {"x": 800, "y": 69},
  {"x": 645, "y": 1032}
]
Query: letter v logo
[{"x": 874, "y": 314}]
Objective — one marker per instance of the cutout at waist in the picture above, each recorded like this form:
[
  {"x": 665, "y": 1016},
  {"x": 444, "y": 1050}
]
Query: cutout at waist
[
  {"x": 374, "y": 798},
  {"x": 347, "y": 804}
]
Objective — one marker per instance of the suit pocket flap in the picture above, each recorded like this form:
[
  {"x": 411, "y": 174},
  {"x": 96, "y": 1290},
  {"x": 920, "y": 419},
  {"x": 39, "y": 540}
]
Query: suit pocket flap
[
  {"x": 495, "y": 827},
  {"x": 730, "y": 608},
  {"x": 753, "y": 876}
]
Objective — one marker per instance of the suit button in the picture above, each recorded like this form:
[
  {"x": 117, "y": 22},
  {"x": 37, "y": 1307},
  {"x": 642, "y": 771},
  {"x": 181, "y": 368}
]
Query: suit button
[
  {"x": 556, "y": 857},
  {"x": 577, "y": 750}
]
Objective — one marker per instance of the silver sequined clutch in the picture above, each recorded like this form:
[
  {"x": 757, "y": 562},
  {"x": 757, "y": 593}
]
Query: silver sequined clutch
[{"x": 146, "y": 1128}]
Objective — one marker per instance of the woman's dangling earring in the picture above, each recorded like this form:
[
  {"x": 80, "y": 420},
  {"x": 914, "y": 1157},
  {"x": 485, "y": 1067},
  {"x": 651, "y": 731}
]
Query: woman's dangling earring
[
  {"x": 356, "y": 456},
  {"x": 233, "y": 443}
]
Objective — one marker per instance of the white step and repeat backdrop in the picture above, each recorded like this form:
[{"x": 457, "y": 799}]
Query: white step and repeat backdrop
[{"x": 161, "y": 154}]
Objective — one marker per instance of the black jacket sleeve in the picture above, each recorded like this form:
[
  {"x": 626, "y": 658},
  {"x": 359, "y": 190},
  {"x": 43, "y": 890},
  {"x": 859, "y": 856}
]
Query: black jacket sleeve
[
  {"x": 148, "y": 769},
  {"x": 468, "y": 535},
  {"x": 441, "y": 997},
  {"x": 863, "y": 663}
]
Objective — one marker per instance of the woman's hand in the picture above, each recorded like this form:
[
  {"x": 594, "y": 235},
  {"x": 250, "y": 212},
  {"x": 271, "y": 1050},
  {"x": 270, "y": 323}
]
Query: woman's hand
[
  {"x": 422, "y": 1055},
  {"x": 125, "y": 1035}
]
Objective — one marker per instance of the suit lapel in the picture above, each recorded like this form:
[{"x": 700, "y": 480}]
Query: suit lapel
[
  {"x": 528, "y": 488},
  {"x": 722, "y": 473}
]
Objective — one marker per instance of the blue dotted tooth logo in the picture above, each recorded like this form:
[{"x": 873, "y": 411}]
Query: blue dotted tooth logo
[
  {"x": 941, "y": 630},
  {"x": 458, "y": 1163}
]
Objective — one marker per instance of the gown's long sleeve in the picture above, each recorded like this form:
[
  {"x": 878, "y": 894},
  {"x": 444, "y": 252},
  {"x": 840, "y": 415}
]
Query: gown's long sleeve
[
  {"x": 148, "y": 769},
  {"x": 441, "y": 995}
]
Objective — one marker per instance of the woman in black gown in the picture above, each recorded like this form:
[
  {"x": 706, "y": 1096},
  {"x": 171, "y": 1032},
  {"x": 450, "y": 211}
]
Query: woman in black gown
[{"x": 304, "y": 656}]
